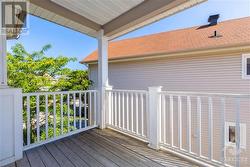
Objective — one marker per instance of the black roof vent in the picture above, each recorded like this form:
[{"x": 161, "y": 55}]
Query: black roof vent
[
  {"x": 213, "y": 19},
  {"x": 215, "y": 35}
]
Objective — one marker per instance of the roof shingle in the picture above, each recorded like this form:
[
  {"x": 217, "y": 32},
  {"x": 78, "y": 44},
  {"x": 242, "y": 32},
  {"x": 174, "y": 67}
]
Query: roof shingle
[{"x": 233, "y": 32}]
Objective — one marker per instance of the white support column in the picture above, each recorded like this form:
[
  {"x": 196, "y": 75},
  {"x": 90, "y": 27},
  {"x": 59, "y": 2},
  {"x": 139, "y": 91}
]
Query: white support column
[
  {"x": 154, "y": 117},
  {"x": 102, "y": 76},
  {"x": 11, "y": 118},
  {"x": 3, "y": 54}
]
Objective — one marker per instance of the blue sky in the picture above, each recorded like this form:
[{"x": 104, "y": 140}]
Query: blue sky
[{"x": 73, "y": 44}]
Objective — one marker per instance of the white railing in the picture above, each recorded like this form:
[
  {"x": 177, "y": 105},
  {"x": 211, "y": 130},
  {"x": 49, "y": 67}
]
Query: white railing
[
  {"x": 127, "y": 112},
  {"x": 49, "y": 116},
  {"x": 189, "y": 124},
  {"x": 193, "y": 123}
]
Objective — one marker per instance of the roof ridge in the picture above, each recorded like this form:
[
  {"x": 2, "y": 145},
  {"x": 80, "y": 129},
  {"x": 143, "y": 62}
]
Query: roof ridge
[{"x": 181, "y": 29}]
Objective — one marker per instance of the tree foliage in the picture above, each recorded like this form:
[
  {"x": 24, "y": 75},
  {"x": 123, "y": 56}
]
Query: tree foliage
[
  {"x": 74, "y": 80},
  {"x": 34, "y": 72}
]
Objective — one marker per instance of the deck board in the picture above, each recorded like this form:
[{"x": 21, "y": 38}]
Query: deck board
[
  {"x": 141, "y": 148},
  {"x": 98, "y": 148},
  {"x": 132, "y": 160},
  {"x": 23, "y": 162},
  {"x": 34, "y": 158},
  {"x": 104, "y": 151},
  {"x": 92, "y": 162},
  {"x": 11, "y": 165},
  {"x": 46, "y": 157},
  {"x": 75, "y": 159},
  {"x": 94, "y": 153},
  {"x": 124, "y": 153},
  {"x": 59, "y": 156}
]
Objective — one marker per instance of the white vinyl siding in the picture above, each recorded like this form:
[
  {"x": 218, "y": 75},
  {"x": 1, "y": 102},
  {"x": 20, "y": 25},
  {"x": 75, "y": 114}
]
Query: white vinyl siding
[{"x": 212, "y": 73}]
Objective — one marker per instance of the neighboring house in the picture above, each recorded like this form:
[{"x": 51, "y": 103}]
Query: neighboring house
[
  {"x": 190, "y": 59},
  {"x": 198, "y": 59}
]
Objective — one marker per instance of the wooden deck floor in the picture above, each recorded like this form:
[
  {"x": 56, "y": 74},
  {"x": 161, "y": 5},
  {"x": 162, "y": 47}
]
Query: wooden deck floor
[{"x": 96, "y": 148}]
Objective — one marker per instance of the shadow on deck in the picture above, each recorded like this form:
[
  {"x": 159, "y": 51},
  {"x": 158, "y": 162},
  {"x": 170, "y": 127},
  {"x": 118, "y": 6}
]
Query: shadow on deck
[{"x": 98, "y": 148}]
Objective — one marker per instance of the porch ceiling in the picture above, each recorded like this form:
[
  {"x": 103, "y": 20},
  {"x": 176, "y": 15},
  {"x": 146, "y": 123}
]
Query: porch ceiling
[
  {"x": 105, "y": 10},
  {"x": 116, "y": 17}
]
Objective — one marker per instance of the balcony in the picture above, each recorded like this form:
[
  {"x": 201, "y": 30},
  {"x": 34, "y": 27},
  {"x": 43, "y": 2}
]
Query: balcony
[
  {"x": 142, "y": 128},
  {"x": 136, "y": 127}
]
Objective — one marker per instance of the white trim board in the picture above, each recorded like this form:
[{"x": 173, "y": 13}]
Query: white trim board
[
  {"x": 242, "y": 135},
  {"x": 244, "y": 66}
]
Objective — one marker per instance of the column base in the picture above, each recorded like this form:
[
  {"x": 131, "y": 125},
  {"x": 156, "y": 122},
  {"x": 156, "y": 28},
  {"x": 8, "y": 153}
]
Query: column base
[
  {"x": 153, "y": 146},
  {"x": 102, "y": 124}
]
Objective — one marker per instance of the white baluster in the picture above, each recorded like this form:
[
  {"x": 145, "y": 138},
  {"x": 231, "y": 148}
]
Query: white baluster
[
  {"x": 46, "y": 117},
  {"x": 136, "y": 114},
  {"x": 123, "y": 112},
  {"x": 199, "y": 125},
  {"x": 54, "y": 115},
  {"x": 68, "y": 114},
  {"x": 132, "y": 112},
  {"x": 189, "y": 124},
  {"x": 61, "y": 107},
  {"x": 127, "y": 110},
  {"x": 142, "y": 116},
  {"x": 210, "y": 129},
  {"x": 37, "y": 118},
  {"x": 80, "y": 110},
  {"x": 171, "y": 118},
  {"x": 28, "y": 120},
  {"x": 85, "y": 110},
  {"x": 95, "y": 107},
  {"x": 90, "y": 108},
  {"x": 112, "y": 109},
  {"x": 163, "y": 111},
  {"x": 180, "y": 122},
  {"x": 119, "y": 109},
  {"x": 115, "y": 108},
  {"x": 74, "y": 109}
]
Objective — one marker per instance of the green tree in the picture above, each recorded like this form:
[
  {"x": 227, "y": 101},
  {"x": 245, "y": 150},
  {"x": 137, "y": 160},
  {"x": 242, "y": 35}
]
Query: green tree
[
  {"x": 34, "y": 72},
  {"x": 74, "y": 80}
]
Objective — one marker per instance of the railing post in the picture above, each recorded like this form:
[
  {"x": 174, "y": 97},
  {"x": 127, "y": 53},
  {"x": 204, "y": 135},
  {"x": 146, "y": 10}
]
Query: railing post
[
  {"x": 108, "y": 104},
  {"x": 154, "y": 104},
  {"x": 102, "y": 115},
  {"x": 11, "y": 125}
]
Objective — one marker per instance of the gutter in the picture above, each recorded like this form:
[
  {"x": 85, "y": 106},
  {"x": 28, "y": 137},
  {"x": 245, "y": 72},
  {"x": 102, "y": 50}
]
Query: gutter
[{"x": 226, "y": 49}]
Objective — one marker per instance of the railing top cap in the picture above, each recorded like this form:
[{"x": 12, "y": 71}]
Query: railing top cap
[
  {"x": 180, "y": 93},
  {"x": 56, "y": 93},
  {"x": 128, "y": 91}
]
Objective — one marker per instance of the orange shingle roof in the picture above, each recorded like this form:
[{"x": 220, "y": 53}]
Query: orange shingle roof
[{"x": 234, "y": 32}]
